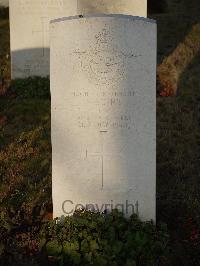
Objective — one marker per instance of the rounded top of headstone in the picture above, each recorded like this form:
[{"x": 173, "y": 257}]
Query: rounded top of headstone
[{"x": 117, "y": 16}]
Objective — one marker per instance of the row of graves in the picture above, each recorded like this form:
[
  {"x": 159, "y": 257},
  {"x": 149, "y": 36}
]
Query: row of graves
[{"x": 100, "y": 56}]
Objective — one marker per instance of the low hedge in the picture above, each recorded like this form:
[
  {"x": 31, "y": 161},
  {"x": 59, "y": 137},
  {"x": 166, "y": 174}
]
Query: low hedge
[
  {"x": 85, "y": 238},
  {"x": 89, "y": 238}
]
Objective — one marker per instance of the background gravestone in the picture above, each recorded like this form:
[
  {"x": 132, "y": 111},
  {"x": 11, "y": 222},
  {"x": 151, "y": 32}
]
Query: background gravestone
[
  {"x": 128, "y": 7},
  {"x": 4, "y": 3},
  {"x": 103, "y": 88},
  {"x": 29, "y": 34},
  {"x": 29, "y": 28}
]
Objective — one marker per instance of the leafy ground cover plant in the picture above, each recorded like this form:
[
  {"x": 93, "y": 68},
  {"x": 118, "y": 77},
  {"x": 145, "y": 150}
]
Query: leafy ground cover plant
[
  {"x": 96, "y": 239},
  {"x": 4, "y": 13},
  {"x": 32, "y": 87},
  {"x": 86, "y": 238}
]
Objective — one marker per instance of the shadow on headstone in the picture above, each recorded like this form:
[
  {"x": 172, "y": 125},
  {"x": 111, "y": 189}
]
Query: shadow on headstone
[{"x": 30, "y": 62}]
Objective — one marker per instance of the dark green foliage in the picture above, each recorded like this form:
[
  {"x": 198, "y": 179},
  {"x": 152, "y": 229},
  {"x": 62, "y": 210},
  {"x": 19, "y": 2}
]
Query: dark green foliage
[
  {"x": 4, "y": 49},
  {"x": 157, "y": 6},
  {"x": 85, "y": 239},
  {"x": 96, "y": 239},
  {"x": 4, "y": 13},
  {"x": 33, "y": 87}
]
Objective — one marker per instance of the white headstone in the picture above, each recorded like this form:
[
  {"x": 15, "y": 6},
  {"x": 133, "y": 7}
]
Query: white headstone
[
  {"x": 29, "y": 34},
  {"x": 29, "y": 28},
  {"x": 103, "y": 88}
]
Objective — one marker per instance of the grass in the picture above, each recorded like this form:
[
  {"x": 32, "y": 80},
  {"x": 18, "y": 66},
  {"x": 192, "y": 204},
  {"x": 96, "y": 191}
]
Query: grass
[
  {"x": 25, "y": 148},
  {"x": 173, "y": 67},
  {"x": 178, "y": 43}
]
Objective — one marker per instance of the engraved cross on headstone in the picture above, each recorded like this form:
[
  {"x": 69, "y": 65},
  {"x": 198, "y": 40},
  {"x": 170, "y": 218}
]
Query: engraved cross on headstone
[
  {"x": 101, "y": 155},
  {"x": 44, "y": 32}
]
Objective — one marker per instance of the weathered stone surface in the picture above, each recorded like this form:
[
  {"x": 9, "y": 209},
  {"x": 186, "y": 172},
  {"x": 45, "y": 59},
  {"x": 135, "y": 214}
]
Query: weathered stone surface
[
  {"x": 29, "y": 28},
  {"x": 103, "y": 87}
]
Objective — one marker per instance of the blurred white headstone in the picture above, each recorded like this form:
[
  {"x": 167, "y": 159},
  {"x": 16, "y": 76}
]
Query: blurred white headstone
[
  {"x": 29, "y": 27},
  {"x": 103, "y": 88}
]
